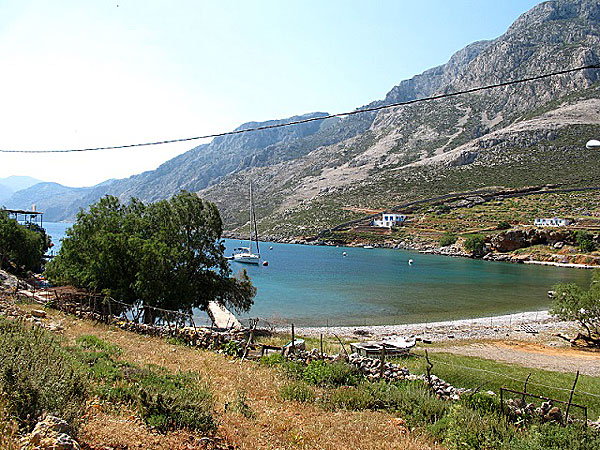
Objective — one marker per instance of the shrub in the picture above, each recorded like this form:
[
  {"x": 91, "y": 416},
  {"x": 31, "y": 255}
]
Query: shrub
[
  {"x": 38, "y": 376},
  {"x": 412, "y": 400},
  {"x": 483, "y": 403},
  {"x": 475, "y": 244},
  {"x": 293, "y": 369},
  {"x": 240, "y": 405},
  {"x": 550, "y": 435},
  {"x": 298, "y": 391},
  {"x": 351, "y": 398},
  {"x": 503, "y": 225},
  {"x": 585, "y": 241},
  {"x": 274, "y": 359},
  {"x": 466, "y": 429},
  {"x": 321, "y": 373},
  {"x": 573, "y": 303},
  {"x": 164, "y": 400},
  {"x": 91, "y": 342},
  {"x": 169, "y": 401},
  {"x": 447, "y": 239},
  {"x": 232, "y": 348}
]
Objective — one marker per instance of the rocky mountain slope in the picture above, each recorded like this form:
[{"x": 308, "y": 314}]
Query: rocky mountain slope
[{"x": 315, "y": 175}]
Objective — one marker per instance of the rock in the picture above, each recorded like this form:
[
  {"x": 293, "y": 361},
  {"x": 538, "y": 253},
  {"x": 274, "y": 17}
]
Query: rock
[
  {"x": 559, "y": 245},
  {"x": 38, "y": 313},
  {"x": 52, "y": 434},
  {"x": 554, "y": 415}
]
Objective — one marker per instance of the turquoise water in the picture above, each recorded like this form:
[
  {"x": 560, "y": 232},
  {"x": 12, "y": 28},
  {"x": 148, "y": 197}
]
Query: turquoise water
[{"x": 312, "y": 285}]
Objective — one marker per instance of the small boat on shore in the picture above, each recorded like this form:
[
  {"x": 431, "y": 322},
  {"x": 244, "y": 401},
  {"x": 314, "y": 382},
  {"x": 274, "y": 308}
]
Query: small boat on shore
[{"x": 397, "y": 346}]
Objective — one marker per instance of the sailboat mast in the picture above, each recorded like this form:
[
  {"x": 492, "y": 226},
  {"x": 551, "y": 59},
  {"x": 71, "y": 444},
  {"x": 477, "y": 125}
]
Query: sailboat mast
[
  {"x": 255, "y": 229},
  {"x": 250, "y": 223}
]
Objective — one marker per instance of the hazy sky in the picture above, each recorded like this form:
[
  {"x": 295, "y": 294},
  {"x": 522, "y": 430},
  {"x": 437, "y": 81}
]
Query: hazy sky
[{"x": 98, "y": 73}]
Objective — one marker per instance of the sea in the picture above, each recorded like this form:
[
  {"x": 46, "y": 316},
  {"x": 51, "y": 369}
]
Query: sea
[{"x": 340, "y": 286}]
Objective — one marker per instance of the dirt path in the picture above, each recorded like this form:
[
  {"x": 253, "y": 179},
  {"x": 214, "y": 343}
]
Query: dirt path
[{"x": 533, "y": 355}]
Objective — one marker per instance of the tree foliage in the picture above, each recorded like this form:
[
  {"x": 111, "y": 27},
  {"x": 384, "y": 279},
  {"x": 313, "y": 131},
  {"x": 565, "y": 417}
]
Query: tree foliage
[
  {"x": 166, "y": 254},
  {"x": 475, "y": 244},
  {"x": 448, "y": 238},
  {"x": 571, "y": 302},
  {"x": 585, "y": 241},
  {"x": 22, "y": 247}
]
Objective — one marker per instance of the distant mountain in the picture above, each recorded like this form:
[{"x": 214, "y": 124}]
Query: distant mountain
[
  {"x": 55, "y": 200},
  {"x": 12, "y": 184},
  {"x": 16, "y": 183},
  {"x": 312, "y": 176},
  {"x": 5, "y": 193}
]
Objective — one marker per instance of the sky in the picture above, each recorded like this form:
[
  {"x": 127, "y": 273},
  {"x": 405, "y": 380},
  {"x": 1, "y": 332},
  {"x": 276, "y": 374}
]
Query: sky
[{"x": 78, "y": 74}]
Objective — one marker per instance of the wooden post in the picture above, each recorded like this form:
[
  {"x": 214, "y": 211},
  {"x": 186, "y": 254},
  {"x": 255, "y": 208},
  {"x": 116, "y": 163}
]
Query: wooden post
[
  {"x": 428, "y": 368},
  {"x": 321, "y": 345},
  {"x": 382, "y": 366},
  {"x": 293, "y": 347},
  {"x": 571, "y": 398},
  {"x": 525, "y": 388}
]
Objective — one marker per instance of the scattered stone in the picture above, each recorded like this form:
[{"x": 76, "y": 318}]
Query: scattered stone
[
  {"x": 40, "y": 313},
  {"x": 50, "y": 433}
]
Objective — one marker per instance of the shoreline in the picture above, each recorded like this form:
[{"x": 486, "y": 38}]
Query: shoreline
[
  {"x": 426, "y": 250},
  {"x": 528, "y": 325}
]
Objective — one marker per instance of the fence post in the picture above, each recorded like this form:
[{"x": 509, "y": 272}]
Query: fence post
[
  {"x": 321, "y": 345},
  {"x": 525, "y": 388},
  {"x": 293, "y": 347},
  {"x": 571, "y": 398},
  {"x": 382, "y": 366},
  {"x": 428, "y": 368}
]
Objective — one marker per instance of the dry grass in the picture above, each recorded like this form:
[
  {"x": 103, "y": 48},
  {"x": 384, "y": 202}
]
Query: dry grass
[
  {"x": 274, "y": 422},
  {"x": 8, "y": 428}
]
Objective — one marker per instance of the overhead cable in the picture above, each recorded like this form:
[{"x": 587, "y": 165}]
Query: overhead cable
[{"x": 314, "y": 119}]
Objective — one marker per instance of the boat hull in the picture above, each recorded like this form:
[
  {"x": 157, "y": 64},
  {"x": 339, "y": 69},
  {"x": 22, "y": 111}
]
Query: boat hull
[{"x": 247, "y": 259}]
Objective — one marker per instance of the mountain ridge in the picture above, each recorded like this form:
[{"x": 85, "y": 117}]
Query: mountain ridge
[{"x": 312, "y": 175}]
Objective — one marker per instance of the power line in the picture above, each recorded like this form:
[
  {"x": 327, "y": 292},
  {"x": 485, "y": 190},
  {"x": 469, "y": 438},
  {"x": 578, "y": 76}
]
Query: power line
[{"x": 314, "y": 119}]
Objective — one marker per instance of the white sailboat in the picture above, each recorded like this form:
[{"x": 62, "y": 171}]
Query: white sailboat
[{"x": 245, "y": 254}]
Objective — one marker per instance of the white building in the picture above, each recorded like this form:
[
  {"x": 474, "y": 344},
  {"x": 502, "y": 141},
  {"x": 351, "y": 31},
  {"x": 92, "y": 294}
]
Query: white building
[
  {"x": 554, "y": 222},
  {"x": 388, "y": 220}
]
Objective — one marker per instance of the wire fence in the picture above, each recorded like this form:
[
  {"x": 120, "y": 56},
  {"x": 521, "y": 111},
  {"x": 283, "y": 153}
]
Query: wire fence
[{"x": 581, "y": 391}]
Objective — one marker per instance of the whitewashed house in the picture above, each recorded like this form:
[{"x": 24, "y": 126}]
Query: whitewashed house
[
  {"x": 388, "y": 220},
  {"x": 554, "y": 222}
]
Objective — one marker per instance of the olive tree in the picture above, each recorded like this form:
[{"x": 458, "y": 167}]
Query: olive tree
[
  {"x": 167, "y": 254},
  {"x": 573, "y": 303}
]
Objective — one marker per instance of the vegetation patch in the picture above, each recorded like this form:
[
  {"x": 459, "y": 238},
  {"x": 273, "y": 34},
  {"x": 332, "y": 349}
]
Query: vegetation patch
[
  {"x": 38, "y": 376},
  {"x": 165, "y": 401}
]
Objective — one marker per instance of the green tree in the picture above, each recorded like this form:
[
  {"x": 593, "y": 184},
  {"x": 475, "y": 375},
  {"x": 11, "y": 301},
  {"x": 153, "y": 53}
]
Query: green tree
[
  {"x": 166, "y": 254},
  {"x": 571, "y": 302},
  {"x": 585, "y": 241},
  {"x": 475, "y": 244},
  {"x": 22, "y": 247},
  {"x": 503, "y": 225},
  {"x": 448, "y": 238}
]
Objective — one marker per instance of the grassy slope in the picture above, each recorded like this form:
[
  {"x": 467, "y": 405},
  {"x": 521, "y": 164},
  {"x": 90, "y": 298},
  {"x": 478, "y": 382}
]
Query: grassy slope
[
  {"x": 252, "y": 414},
  {"x": 272, "y": 423}
]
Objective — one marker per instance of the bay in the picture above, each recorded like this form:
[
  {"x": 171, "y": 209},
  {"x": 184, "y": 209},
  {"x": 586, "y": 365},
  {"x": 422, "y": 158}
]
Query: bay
[{"x": 319, "y": 286}]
